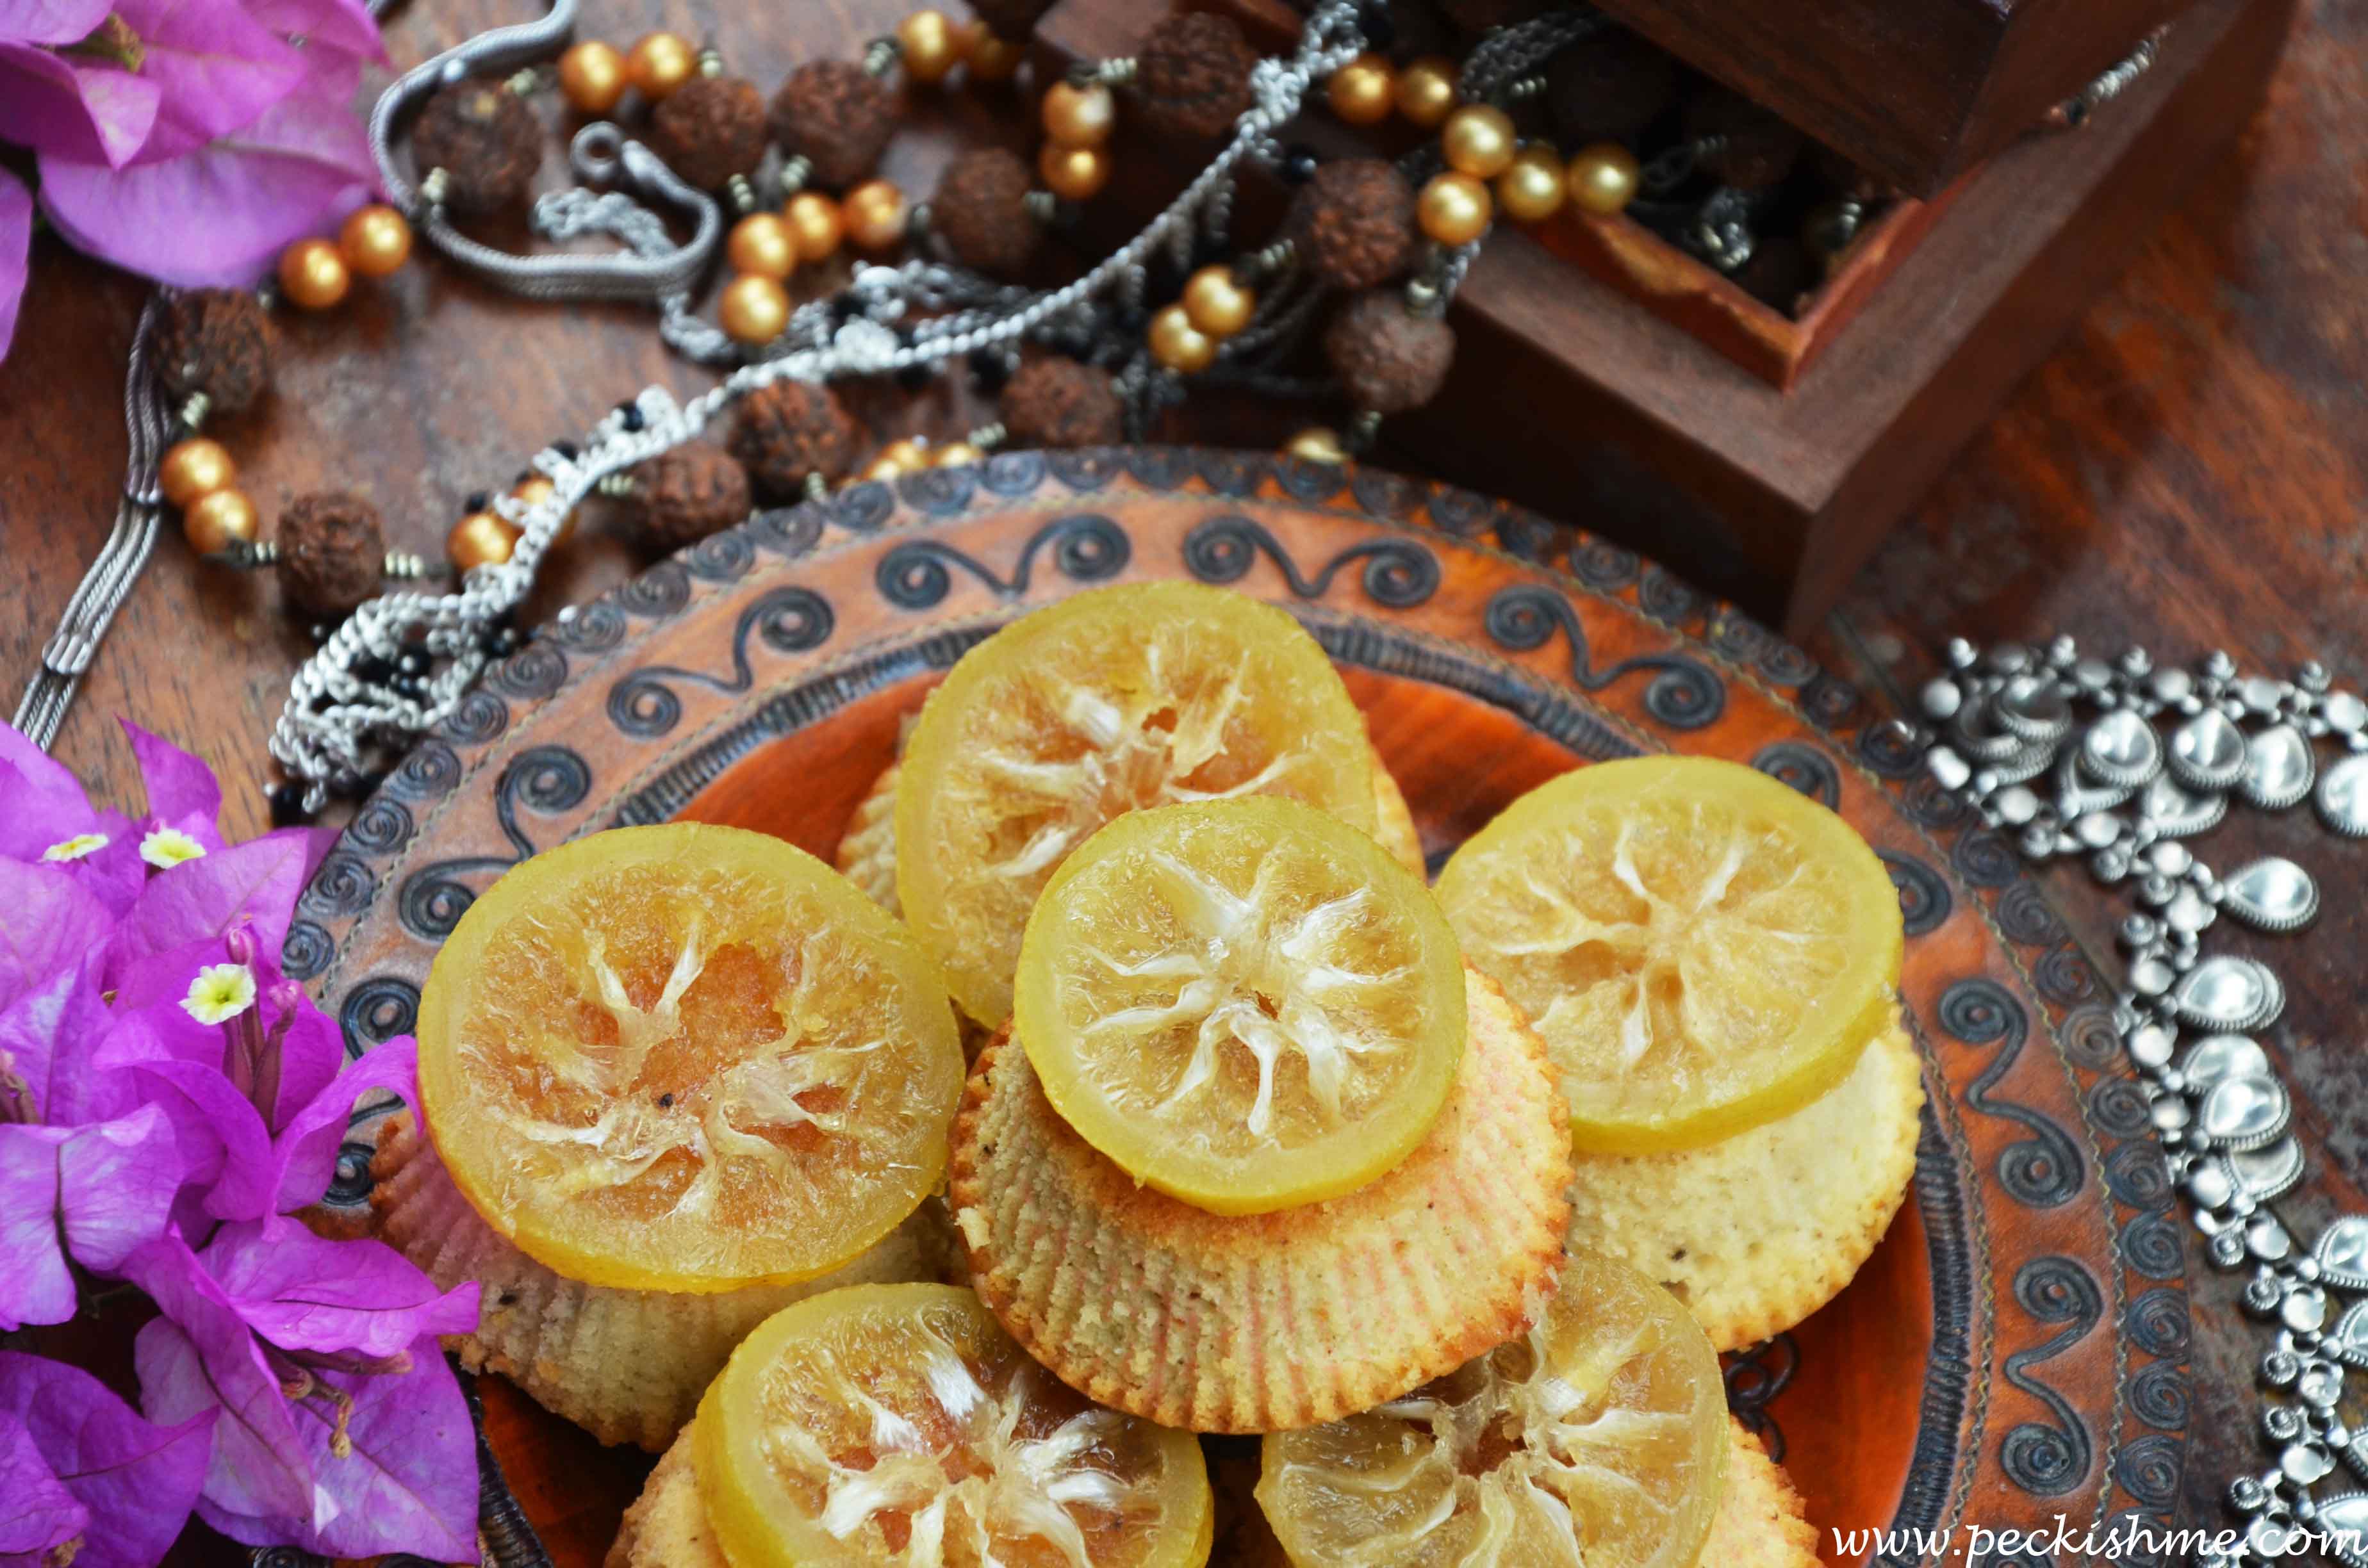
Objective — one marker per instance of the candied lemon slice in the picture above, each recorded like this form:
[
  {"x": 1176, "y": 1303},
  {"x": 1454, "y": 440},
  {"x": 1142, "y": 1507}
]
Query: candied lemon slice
[
  {"x": 1598, "y": 1439},
  {"x": 1703, "y": 949},
  {"x": 686, "y": 1057},
  {"x": 1117, "y": 699},
  {"x": 1245, "y": 1004},
  {"x": 898, "y": 1425}
]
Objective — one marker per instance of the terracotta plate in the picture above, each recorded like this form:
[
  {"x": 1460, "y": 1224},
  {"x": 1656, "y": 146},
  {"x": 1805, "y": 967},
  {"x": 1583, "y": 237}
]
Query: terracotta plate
[{"x": 2014, "y": 1354}]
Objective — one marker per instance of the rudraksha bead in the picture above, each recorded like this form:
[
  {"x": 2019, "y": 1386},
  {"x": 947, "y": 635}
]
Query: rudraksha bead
[
  {"x": 786, "y": 430},
  {"x": 485, "y": 139},
  {"x": 688, "y": 493},
  {"x": 981, "y": 208},
  {"x": 216, "y": 342},
  {"x": 1389, "y": 359},
  {"x": 1056, "y": 401},
  {"x": 710, "y": 128},
  {"x": 332, "y": 550},
  {"x": 837, "y": 116},
  {"x": 1353, "y": 223},
  {"x": 1193, "y": 72}
]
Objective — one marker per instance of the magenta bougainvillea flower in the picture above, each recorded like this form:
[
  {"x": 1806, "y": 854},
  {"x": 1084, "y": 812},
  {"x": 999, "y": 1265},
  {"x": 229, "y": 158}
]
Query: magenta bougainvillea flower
[
  {"x": 185, "y": 140},
  {"x": 169, "y": 1100}
]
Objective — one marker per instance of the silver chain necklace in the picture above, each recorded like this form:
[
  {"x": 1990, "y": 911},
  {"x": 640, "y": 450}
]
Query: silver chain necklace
[{"x": 2122, "y": 763}]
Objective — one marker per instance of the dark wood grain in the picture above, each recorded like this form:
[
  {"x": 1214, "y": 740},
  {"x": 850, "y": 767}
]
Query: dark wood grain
[{"x": 2190, "y": 470}]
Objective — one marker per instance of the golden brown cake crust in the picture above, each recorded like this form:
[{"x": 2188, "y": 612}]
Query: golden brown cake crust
[
  {"x": 1254, "y": 1323},
  {"x": 667, "y": 1526},
  {"x": 628, "y": 1366},
  {"x": 1758, "y": 1231},
  {"x": 1760, "y": 1523}
]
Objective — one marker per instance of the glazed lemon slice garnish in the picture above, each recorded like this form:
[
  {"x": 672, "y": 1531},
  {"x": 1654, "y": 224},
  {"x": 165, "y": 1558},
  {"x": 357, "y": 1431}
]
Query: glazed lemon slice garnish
[
  {"x": 899, "y": 1425},
  {"x": 1703, "y": 949},
  {"x": 686, "y": 1057},
  {"x": 1115, "y": 700},
  {"x": 1245, "y": 1004},
  {"x": 1597, "y": 1441}
]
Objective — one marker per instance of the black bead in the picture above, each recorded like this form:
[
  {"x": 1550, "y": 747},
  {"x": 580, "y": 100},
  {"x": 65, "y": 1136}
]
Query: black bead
[
  {"x": 567, "y": 450},
  {"x": 357, "y": 787},
  {"x": 845, "y": 308},
  {"x": 286, "y": 804},
  {"x": 631, "y": 413},
  {"x": 1299, "y": 162},
  {"x": 1208, "y": 250},
  {"x": 478, "y": 501},
  {"x": 989, "y": 370},
  {"x": 373, "y": 670},
  {"x": 1373, "y": 21},
  {"x": 913, "y": 378},
  {"x": 411, "y": 661}
]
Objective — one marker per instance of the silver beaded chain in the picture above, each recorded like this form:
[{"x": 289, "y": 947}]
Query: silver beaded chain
[{"x": 2122, "y": 763}]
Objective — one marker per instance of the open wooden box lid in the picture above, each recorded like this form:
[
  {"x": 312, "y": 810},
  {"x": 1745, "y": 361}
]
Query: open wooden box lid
[{"x": 1916, "y": 91}]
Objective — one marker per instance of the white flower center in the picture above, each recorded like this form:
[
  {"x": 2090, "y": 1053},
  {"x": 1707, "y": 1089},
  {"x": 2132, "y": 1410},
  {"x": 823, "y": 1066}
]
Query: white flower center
[
  {"x": 169, "y": 847},
  {"x": 74, "y": 849},
  {"x": 220, "y": 993}
]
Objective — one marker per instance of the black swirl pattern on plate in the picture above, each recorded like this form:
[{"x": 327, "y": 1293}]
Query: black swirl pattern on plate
[
  {"x": 1805, "y": 767},
  {"x": 1086, "y": 547},
  {"x": 2119, "y": 1106},
  {"x": 2135, "y": 1173},
  {"x": 789, "y": 530},
  {"x": 1737, "y": 636},
  {"x": 1013, "y": 473},
  {"x": 1082, "y": 469},
  {"x": 1529, "y": 536},
  {"x": 937, "y": 492},
  {"x": 2149, "y": 1244},
  {"x": 2050, "y": 1458},
  {"x": 660, "y": 592},
  {"x": 1466, "y": 514},
  {"x": 1985, "y": 858},
  {"x": 1381, "y": 494},
  {"x": 1890, "y": 751},
  {"x": 342, "y": 885},
  {"x": 431, "y": 769},
  {"x": 863, "y": 508},
  {"x": 533, "y": 673},
  {"x": 349, "y": 1183},
  {"x": 723, "y": 557},
  {"x": 1235, "y": 475},
  {"x": 1684, "y": 693},
  {"x": 2024, "y": 916},
  {"x": 378, "y": 1009},
  {"x": 1159, "y": 468},
  {"x": 2064, "y": 976},
  {"x": 545, "y": 779},
  {"x": 2158, "y": 1397},
  {"x": 1931, "y": 806},
  {"x": 1664, "y": 597},
  {"x": 2147, "y": 1468},
  {"x": 306, "y": 951},
  {"x": 1754, "y": 1378},
  {"x": 2046, "y": 1169},
  {"x": 2158, "y": 1323},
  {"x": 788, "y": 621},
  {"x": 1787, "y": 665},
  {"x": 1924, "y": 897},
  {"x": 1603, "y": 566},
  {"x": 382, "y": 826},
  {"x": 1829, "y": 701},
  {"x": 1312, "y": 483},
  {"x": 594, "y": 629},
  {"x": 2089, "y": 1039},
  {"x": 1398, "y": 572},
  {"x": 480, "y": 716}
]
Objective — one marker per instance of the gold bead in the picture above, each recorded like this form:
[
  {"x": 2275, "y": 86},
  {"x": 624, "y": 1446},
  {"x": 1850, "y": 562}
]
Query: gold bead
[
  {"x": 313, "y": 275},
  {"x": 1363, "y": 91},
  {"x": 592, "y": 75},
  {"x": 955, "y": 454},
  {"x": 874, "y": 214},
  {"x": 375, "y": 241},
  {"x": 1177, "y": 344},
  {"x": 481, "y": 539},
  {"x": 909, "y": 456},
  {"x": 1602, "y": 178},
  {"x": 762, "y": 246},
  {"x": 814, "y": 225},
  {"x": 1216, "y": 301},
  {"x": 213, "y": 523},
  {"x": 933, "y": 46},
  {"x": 659, "y": 64},
  {"x": 1074, "y": 174},
  {"x": 194, "y": 467},
  {"x": 1317, "y": 444},
  {"x": 1079, "y": 117},
  {"x": 992, "y": 59},
  {"x": 754, "y": 309},
  {"x": 533, "y": 490},
  {"x": 1453, "y": 209},
  {"x": 1426, "y": 91},
  {"x": 1478, "y": 140},
  {"x": 1530, "y": 189}
]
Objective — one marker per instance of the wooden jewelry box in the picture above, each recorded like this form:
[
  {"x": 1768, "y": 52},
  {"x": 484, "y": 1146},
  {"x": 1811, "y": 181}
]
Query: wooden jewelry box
[{"x": 1605, "y": 376}]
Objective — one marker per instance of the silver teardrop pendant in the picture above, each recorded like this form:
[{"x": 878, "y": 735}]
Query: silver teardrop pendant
[
  {"x": 2271, "y": 894},
  {"x": 2208, "y": 752},
  {"x": 2278, "y": 767},
  {"x": 2343, "y": 797}
]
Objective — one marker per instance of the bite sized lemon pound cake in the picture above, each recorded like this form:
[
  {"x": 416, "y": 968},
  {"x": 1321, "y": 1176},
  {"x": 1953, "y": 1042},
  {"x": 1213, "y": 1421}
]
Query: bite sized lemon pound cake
[
  {"x": 1112, "y": 701},
  {"x": 1253, "y": 1323},
  {"x": 1760, "y": 1521},
  {"x": 1600, "y": 1436},
  {"x": 672, "y": 1065},
  {"x": 899, "y": 1426}
]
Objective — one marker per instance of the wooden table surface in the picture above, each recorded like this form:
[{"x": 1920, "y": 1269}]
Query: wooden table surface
[{"x": 2190, "y": 471}]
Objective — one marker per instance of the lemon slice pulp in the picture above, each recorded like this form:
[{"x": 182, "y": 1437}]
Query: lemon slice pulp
[
  {"x": 686, "y": 1057},
  {"x": 1112, "y": 701},
  {"x": 1597, "y": 1441},
  {"x": 899, "y": 1425},
  {"x": 1703, "y": 949},
  {"x": 1245, "y": 1004}
]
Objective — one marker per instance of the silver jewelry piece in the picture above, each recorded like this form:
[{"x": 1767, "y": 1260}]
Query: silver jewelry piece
[{"x": 2125, "y": 797}]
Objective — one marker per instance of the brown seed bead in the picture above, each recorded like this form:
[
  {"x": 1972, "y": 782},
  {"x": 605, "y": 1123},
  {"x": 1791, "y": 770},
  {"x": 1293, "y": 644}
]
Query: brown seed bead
[
  {"x": 1354, "y": 222},
  {"x": 1217, "y": 301},
  {"x": 1478, "y": 140},
  {"x": 1177, "y": 344},
  {"x": 1426, "y": 91},
  {"x": 1009, "y": 18},
  {"x": 688, "y": 492},
  {"x": 814, "y": 225},
  {"x": 1388, "y": 358},
  {"x": 592, "y": 76},
  {"x": 313, "y": 275},
  {"x": 660, "y": 65},
  {"x": 993, "y": 58},
  {"x": 838, "y": 114},
  {"x": 1364, "y": 91},
  {"x": 1608, "y": 88},
  {"x": 1756, "y": 149},
  {"x": 1193, "y": 72},
  {"x": 786, "y": 430},
  {"x": 331, "y": 548},
  {"x": 193, "y": 467},
  {"x": 761, "y": 246},
  {"x": 710, "y": 129},
  {"x": 481, "y": 539},
  {"x": 981, "y": 208},
  {"x": 375, "y": 241},
  {"x": 215, "y": 523},
  {"x": 1316, "y": 444},
  {"x": 753, "y": 309},
  {"x": 1078, "y": 117},
  {"x": 875, "y": 215},
  {"x": 1074, "y": 174},
  {"x": 1604, "y": 179},
  {"x": 486, "y": 141},
  {"x": 218, "y": 342},
  {"x": 931, "y": 47},
  {"x": 1056, "y": 401},
  {"x": 1530, "y": 189}
]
